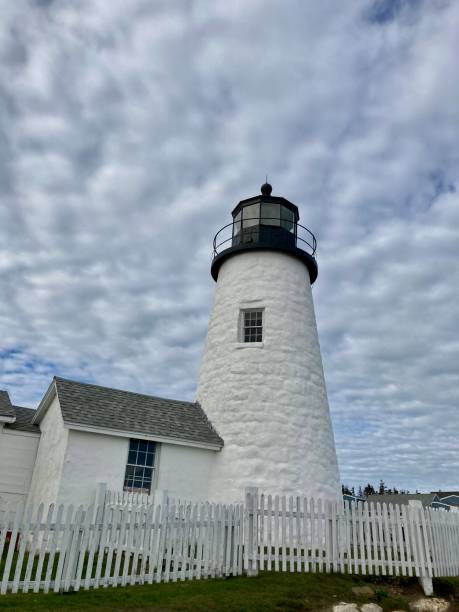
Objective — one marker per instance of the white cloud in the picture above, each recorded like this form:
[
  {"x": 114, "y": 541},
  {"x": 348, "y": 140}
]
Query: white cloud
[{"x": 128, "y": 132}]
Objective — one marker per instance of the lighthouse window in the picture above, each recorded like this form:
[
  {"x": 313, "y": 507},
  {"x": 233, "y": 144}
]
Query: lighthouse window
[
  {"x": 252, "y": 325},
  {"x": 287, "y": 218},
  {"x": 270, "y": 214},
  {"x": 237, "y": 223},
  {"x": 251, "y": 215}
]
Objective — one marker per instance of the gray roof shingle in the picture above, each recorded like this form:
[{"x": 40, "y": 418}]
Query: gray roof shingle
[
  {"x": 94, "y": 406},
  {"x": 23, "y": 420},
  {"x": 6, "y": 409}
]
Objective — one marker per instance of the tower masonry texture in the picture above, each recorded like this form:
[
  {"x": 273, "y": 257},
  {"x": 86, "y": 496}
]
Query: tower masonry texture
[{"x": 267, "y": 399}]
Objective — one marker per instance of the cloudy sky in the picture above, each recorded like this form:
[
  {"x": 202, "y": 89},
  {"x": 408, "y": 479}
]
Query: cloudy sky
[{"x": 129, "y": 130}]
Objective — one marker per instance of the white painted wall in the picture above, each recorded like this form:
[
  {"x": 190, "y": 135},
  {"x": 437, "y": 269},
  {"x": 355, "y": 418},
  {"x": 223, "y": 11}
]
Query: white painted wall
[
  {"x": 91, "y": 458},
  {"x": 50, "y": 457},
  {"x": 184, "y": 471},
  {"x": 18, "y": 451},
  {"x": 268, "y": 402}
]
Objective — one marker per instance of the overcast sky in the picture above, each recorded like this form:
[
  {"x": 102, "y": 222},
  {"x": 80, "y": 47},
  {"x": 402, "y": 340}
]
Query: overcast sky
[{"x": 129, "y": 130}]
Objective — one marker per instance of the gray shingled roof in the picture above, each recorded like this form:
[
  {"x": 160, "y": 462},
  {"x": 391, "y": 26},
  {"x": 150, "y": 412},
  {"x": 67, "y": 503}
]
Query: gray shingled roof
[
  {"x": 23, "y": 420},
  {"x": 94, "y": 406},
  {"x": 6, "y": 409}
]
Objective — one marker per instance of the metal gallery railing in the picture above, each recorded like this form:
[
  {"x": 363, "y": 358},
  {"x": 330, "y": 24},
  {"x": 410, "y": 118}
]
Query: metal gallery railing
[{"x": 253, "y": 230}]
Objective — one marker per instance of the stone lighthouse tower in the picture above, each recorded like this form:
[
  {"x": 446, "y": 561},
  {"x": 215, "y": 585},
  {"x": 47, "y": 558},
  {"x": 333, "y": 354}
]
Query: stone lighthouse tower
[{"x": 261, "y": 381}]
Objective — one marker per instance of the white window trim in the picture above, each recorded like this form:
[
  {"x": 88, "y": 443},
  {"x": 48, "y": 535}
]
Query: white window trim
[
  {"x": 155, "y": 466},
  {"x": 240, "y": 328}
]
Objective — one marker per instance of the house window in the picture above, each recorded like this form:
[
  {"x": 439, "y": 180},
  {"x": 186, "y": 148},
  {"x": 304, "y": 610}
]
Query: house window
[
  {"x": 140, "y": 466},
  {"x": 252, "y": 326}
]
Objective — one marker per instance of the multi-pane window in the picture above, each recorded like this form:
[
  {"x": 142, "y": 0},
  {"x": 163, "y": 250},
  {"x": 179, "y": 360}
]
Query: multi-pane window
[
  {"x": 140, "y": 466},
  {"x": 252, "y": 325}
]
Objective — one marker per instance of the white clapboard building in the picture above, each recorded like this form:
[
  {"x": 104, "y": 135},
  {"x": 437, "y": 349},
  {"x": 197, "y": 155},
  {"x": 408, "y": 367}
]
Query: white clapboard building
[{"x": 261, "y": 416}]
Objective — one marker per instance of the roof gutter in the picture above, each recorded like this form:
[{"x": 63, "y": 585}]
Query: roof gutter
[{"x": 142, "y": 436}]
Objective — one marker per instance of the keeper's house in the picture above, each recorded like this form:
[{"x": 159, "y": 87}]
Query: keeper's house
[{"x": 82, "y": 434}]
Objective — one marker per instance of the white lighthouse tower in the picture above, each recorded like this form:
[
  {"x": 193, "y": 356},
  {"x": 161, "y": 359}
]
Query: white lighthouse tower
[{"x": 261, "y": 382}]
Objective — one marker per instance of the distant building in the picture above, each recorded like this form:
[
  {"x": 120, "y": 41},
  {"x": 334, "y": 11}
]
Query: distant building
[
  {"x": 353, "y": 498},
  {"x": 428, "y": 500},
  {"x": 448, "y": 497}
]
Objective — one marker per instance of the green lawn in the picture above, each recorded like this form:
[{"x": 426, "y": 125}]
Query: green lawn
[{"x": 267, "y": 592}]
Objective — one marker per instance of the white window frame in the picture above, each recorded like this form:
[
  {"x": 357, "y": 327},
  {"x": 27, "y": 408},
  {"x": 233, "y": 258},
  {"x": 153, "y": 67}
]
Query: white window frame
[
  {"x": 242, "y": 328},
  {"x": 153, "y": 467}
]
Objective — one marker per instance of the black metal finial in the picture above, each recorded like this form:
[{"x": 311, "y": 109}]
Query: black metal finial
[{"x": 266, "y": 189}]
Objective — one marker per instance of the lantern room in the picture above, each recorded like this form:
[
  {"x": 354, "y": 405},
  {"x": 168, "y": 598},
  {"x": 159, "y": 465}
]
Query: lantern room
[{"x": 265, "y": 222}]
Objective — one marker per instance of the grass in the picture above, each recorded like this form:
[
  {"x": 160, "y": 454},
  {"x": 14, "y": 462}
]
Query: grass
[{"x": 268, "y": 592}]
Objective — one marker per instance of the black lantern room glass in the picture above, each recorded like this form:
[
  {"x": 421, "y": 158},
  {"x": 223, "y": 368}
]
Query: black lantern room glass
[{"x": 264, "y": 219}]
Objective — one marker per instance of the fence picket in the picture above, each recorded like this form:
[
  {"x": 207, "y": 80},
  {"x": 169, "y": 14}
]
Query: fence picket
[
  {"x": 206, "y": 537},
  {"x": 120, "y": 535},
  {"x": 200, "y": 531},
  {"x": 177, "y": 556},
  {"x": 327, "y": 535},
  {"x": 314, "y": 535},
  {"x": 23, "y": 541},
  {"x": 335, "y": 565},
  {"x": 151, "y": 545},
  {"x": 11, "y": 547},
  {"x": 240, "y": 541},
  {"x": 62, "y": 545},
  {"x": 425, "y": 544},
  {"x": 284, "y": 533},
  {"x": 162, "y": 542},
  {"x": 298, "y": 538},
  {"x": 193, "y": 542},
  {"x": 131, "y": 522},
  {"x": 104, "y": 545},
  {"x": 170, "y": 524},
  {"x": 137, "y": 544},
  {"x": 387, "y": 539},
  {"x": 269, "y": 532},
  {"x": 448, "y": 541},
  {"x": 307, "y": 536},
  {"x": 145, "y": 549},
  {"x": 291, "y": 543},
  {"x": 186, "y": 545},
  {"x": 73, "y": 549},
  {"x": 6, "y": 517},
  {"x": 113, "y": 541},
  {"x": 81, "y": 550},
  {"x": 408, "y": 539},
  {"x": 214, "y": 547},
  {"x": 276, "y": 533},
  {"x": 413, "y": 536},
  {"x": 261, "y": 533},
  {"x": 43, "y": 548},
  {"x": 347, "y": 526},
  {"x": 92, "y": 545},
  {"x": 35, "y": 529},
  {"x": 55, "y": 535}
]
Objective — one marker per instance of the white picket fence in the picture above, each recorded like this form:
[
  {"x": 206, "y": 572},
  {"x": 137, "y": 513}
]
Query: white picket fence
[
  {"x": 64, "y": 549},
  {"x": 298, "y": 534}
]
